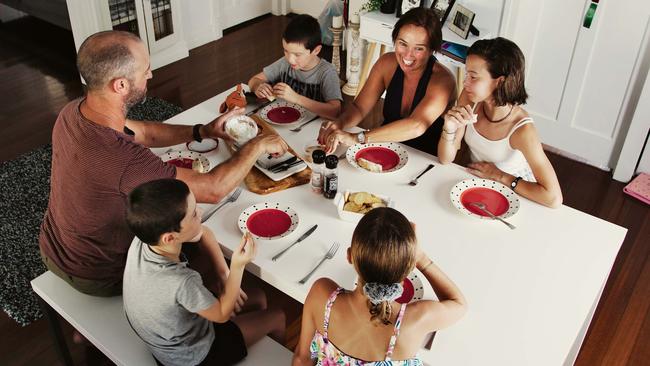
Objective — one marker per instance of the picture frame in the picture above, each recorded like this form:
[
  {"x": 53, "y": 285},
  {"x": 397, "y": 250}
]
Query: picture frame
[
  {"x": 442, "y": 8},
  {"x": 461, "y": 20},
  {"x": 405, "y": 5}
]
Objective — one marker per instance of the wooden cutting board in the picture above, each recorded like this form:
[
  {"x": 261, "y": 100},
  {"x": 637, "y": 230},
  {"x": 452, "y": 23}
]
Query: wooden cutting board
[{"x": 258, "y": 182}]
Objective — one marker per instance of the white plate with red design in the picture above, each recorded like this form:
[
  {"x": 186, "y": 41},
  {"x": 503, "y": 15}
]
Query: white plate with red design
[
  {"x": 206, "y": 145},
  {"x": 413, "y": 289},
  {"x": 268, "y": 221},
  {"x": 283, "y": 113},
  {"x": 390, "y": 155},
  {"x": 185, "y": 159},
  {"x": 499, "y": 199}
]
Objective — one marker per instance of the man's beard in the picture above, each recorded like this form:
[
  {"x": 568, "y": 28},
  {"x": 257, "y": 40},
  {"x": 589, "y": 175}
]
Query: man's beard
[{"x": 134, "y": 97}]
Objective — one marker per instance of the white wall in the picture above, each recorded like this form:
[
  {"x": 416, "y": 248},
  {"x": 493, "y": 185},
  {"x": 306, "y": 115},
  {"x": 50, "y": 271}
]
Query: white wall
[
  {"x": 200, "y": 22},
  {"x": 644, "y": 164},
  {"x": 311, "y": 7}
]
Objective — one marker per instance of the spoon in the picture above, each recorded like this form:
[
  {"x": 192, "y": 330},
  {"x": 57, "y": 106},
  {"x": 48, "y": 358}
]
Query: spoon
[{"x": 481, "y": 206}]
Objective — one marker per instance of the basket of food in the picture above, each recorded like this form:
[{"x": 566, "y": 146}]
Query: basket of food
[{"x": 352, "y": 205}]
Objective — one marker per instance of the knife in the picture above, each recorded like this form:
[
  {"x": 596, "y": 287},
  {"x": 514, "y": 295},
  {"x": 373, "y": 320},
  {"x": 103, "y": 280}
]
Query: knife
[
  {"x": 285, "y": 162},
  {"x": 287, "y": 167},
  {"x": 303, "y": 237},
  {"x": 258, "y": 108}
]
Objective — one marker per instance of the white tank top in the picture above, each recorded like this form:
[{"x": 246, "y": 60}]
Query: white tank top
[{"x": 499, "y": 152}]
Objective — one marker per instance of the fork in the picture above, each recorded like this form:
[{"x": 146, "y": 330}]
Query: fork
[
  {"x": 233, "y": 197},
  {"x": 297, "y": 129},
  {"x": 329, "y": 255},
  {"x": 415, "y": 181}
]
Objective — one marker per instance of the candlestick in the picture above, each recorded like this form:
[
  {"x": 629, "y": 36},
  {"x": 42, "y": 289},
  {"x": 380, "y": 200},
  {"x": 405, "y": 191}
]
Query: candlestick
[
  {"x": 354, "y": 49},
  {"x": 336, "y": 43},
  {"x": 337, "y": 21}
]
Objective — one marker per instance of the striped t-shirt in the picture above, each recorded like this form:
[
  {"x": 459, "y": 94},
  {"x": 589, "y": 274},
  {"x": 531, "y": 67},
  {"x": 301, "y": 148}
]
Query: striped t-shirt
[{"x": 94, "y": 168}]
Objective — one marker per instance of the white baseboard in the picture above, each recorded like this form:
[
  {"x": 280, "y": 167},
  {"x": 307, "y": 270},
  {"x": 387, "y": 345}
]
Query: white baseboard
[{"x": 577, "y": 158}]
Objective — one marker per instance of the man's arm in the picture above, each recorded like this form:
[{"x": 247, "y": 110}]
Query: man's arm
[
  {"x": 211, "y": 187},
  {"x": 156, "y": 134}
]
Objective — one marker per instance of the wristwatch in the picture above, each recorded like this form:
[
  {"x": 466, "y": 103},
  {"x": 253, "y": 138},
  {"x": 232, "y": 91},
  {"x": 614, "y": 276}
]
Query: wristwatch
[
  {"x": 514, "y": 183},
  {"x": 196, "y": 132},
  {"x": 361, "y": 137}
]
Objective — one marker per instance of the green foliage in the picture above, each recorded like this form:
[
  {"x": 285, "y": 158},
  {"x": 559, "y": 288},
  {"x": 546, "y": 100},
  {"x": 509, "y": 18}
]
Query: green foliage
[{"x": 372, "y": 5}]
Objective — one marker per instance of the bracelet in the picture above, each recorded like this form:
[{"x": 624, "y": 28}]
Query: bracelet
[
  {"x": 449, "y": 133},
  {"x": 196, "y": 134},
  {"x": 453, "y": 137},
  {"x": 427, "y": 266}
]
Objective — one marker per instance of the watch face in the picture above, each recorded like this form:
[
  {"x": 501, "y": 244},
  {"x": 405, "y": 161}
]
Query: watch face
[{"x": 409, "y": 4}]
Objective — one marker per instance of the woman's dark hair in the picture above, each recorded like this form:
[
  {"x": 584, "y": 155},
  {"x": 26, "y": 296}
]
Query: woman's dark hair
[
  {"x": 303, "y": 29},
  {"x": 383, "y": 251},
  {"x": 425, "y": 18},
  {"x": 155, "y": 208},
  {"x": 505, "y": 59}
]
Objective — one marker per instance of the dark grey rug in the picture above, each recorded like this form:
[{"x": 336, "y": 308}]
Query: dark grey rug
[{"x": 23, "y": 200}]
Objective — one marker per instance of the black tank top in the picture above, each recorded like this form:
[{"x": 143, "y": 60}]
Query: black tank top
[{"x": 427, "y": 142}]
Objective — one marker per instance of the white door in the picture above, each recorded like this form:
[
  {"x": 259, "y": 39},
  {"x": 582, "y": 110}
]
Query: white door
[
  {"x": 578, "y": 78},
  {"x": 162, "y": 23},
  {"x": 233, "y": 12}
]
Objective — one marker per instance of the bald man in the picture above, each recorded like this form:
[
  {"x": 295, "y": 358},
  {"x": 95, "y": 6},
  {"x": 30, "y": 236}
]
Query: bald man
[{"x": 99, "y": 156}]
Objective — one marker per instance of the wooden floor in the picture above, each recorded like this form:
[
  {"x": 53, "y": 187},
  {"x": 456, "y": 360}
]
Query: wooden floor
[{"x": 38, "y": 77}]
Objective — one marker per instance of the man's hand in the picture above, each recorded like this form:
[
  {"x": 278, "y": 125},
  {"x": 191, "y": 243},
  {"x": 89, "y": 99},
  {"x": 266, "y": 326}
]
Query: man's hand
[
  {"x": 285, "y": 92},
  {"x": 264, "y": 90},
  {"x": 272, "y": 144},
  {"x": 217, "y": 127}
]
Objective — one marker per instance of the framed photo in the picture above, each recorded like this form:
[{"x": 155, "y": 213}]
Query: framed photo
[
  {"x": 461, "y": 20},
  {"x": 442, "y": 8},
  {"x": 405, "y": 5}
]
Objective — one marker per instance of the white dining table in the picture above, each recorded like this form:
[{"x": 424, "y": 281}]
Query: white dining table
[{"x": 531, "y": 291}]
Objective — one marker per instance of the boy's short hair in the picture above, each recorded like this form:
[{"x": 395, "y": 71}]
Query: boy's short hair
[
  {"x": 303, "y": 29},
  {"x": 155, "y": 208},
  {"x": 504, "y": 58}
]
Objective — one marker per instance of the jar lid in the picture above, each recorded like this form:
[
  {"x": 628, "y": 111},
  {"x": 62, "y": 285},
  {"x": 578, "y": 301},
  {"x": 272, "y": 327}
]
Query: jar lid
[
  {"x": 318, "y": 156},
  {"x": 331, "y": 161}
]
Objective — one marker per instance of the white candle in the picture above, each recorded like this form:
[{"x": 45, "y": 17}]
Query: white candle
[
  {"x": 355, "y": 18},
  {"x": 337, "y": 22}
]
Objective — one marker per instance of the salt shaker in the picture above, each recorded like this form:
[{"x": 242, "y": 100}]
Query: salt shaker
[{"x": 318, "y": 157}]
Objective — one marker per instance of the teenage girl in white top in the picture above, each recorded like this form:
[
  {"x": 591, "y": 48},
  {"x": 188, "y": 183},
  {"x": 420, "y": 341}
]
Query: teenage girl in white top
[{"x": 502, "y": 138}]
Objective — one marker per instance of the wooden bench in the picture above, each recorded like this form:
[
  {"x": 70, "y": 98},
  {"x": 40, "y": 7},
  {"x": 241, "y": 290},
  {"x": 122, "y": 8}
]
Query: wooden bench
[{"x": 102, "y": 321}]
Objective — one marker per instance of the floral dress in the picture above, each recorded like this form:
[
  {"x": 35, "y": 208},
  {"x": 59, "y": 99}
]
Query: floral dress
[{"x": 327, "y": 354}]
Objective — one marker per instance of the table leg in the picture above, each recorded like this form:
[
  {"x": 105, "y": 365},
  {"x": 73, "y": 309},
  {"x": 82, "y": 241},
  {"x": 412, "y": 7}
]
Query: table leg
[
  {"x": 57, "y": 332},
  {"x": 366, "y": 65}
]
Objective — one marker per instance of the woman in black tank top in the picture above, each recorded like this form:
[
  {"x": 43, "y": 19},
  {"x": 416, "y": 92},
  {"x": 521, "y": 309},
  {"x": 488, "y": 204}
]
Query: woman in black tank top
[{"x": 418, "y": 90}]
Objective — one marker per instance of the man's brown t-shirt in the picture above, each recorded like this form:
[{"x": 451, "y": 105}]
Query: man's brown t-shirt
[{"x": 94, "y": 168}]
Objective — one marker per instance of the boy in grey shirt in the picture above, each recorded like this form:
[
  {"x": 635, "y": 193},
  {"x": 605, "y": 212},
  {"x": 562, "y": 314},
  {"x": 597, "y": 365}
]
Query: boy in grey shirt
[
  {"x": 301, "y": 77},
  {"x": 165, "y": 301}
]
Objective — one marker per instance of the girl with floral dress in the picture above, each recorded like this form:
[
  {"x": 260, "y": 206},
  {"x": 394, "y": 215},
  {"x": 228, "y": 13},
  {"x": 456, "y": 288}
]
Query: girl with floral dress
[{"x": 366, "y": 326}]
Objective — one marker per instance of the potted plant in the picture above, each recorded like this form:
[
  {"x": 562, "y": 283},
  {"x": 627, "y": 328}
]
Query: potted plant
[{"x": 385, "y": 6}]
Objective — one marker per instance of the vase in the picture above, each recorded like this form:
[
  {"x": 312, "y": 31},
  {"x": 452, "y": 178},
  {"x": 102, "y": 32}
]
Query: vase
[{"x": 388, "y": 6}]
